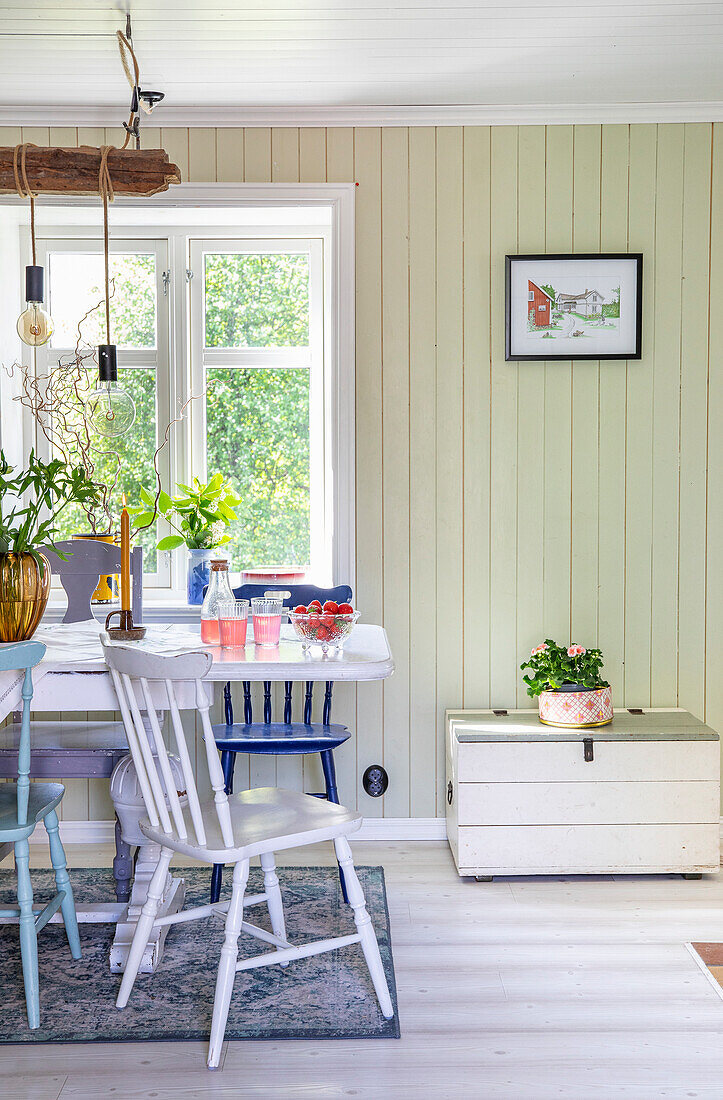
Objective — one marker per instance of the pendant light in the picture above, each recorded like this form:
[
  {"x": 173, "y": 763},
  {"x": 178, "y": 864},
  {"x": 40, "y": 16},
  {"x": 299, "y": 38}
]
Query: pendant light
[
  {"x": 35, "y": 325},
  {"x": 111, "y": 411}
]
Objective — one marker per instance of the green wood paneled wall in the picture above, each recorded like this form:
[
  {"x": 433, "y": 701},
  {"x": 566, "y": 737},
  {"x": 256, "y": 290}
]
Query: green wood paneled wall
[{"x": 498, "y": 503}]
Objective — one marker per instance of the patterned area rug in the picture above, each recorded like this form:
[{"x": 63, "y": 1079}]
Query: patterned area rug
[{"x": 328, "y": 996}]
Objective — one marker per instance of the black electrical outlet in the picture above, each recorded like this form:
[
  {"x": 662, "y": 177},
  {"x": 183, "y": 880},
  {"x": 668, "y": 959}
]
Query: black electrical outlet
[{"x": 375, "y": 780}]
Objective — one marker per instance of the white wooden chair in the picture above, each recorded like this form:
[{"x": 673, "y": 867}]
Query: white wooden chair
[{"x": 230, "y": 829}]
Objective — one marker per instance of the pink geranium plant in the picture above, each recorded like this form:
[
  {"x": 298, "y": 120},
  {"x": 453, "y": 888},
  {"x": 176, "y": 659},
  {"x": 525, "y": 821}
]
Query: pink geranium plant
[{"x": 558, "y": 668}]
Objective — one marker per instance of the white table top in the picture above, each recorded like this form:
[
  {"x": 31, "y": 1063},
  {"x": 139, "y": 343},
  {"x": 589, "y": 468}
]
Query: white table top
[{"x": 365, "y": 656}]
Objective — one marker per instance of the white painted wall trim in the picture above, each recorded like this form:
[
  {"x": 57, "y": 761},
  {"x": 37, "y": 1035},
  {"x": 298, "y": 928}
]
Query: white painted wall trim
[
  {"x": 373, "y": 828},
  {"x": 446, "y": 114}
]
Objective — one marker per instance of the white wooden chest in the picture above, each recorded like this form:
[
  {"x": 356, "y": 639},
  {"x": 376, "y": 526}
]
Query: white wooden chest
[{"x": 641, "y": 795}]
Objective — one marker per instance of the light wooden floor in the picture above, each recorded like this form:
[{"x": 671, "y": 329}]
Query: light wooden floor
[{"x": 522, "y": 989}]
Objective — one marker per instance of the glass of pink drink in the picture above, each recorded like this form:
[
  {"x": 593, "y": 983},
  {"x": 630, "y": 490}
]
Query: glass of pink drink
[
  {"x": 232, "y": 622},
  {"x": 266, "y": 612}
]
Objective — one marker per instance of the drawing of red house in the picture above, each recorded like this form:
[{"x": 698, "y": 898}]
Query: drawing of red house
[{"x": 540, "y": 304}]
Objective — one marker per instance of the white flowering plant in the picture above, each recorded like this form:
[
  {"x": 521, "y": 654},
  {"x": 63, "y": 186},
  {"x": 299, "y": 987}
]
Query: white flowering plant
[
  {"x": 200, "y": 514},
  {"x": 555, "y": 667}
]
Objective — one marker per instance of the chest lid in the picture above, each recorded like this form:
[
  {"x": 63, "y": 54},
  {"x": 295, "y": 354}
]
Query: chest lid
[{"x": 653, "y": 724}]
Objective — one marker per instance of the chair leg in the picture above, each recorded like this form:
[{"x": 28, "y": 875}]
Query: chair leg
[
  {"x": 28, "y": 933},
  {"x": 327, "y": 763},
  {"x": 228, "y": 763},
  {"x": 144, "y": 927},
  {"x": 62, "y": 882},
  {"x": 227, "y": 963},
  {"x": 273, "y": 897},
  {"x": 363, "y": 922}
]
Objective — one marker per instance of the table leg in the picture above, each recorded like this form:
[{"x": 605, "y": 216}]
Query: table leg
[
  {"x": 122, "y": 865},
  {"x": 174, "y": 894}
]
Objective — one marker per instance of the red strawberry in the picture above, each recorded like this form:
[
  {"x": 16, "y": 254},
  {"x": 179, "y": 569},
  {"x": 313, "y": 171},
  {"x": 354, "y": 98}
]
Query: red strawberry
[
  {"x": 322, "y": 634},
  {"x": 328, "y": 621},
  {"x": 331, "y": 606},
  {"x": 314, "y": 606},
  {"x": 314, "y": 619},
  {"x": 300, "y": 610},
  {"x": 344, "y": 609}
]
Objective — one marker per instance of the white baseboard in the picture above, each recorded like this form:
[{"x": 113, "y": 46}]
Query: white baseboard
[{"x": 373, "y": 828}]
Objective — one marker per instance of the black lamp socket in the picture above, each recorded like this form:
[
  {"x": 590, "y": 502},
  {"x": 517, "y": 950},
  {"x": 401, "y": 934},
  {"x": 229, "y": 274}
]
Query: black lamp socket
[
  {"x": 107, "y": 363},
  {"x": 34, "y": 283}
]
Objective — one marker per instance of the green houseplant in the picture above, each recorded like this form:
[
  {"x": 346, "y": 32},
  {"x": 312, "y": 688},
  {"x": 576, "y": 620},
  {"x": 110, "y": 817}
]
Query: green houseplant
[
  {"x": 199, "y": 516},
  {"x": 568, "y": 682},
  {"x": 31, "y": 502}
]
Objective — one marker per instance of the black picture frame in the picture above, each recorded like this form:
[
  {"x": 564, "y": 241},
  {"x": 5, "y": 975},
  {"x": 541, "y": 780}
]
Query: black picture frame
[{"x": 512, "y": 340}]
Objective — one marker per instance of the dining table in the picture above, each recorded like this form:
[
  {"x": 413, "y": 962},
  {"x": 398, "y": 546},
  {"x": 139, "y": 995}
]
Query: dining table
[{"x": 73, "y": 677}]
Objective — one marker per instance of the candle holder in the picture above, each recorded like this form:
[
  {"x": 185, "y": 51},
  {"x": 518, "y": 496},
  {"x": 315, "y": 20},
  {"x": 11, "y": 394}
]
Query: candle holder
[{"x": 127, "y": 631}]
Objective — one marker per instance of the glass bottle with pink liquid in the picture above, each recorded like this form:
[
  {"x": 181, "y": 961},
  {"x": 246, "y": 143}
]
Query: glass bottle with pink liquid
[{"x": 219, "y": 591}]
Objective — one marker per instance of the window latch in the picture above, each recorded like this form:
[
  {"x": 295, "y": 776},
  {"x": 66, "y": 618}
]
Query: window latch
[
  {"x": 166, "y": 277},
  {"x": 189, "y": 274}
]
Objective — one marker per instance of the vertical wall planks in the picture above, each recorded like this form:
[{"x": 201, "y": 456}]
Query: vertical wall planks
[
  {"x": 422, "y": 465},
  {"x": 476, "y": 415},
  {"x": 666, "y": 413},
  {"x": 558, "y": 402},
  {"x": 201, "y": 155},
  {"x": 530, "y": 421},
  {"x": 312, "y": 154},
  {"x": 330, "y": 155},
  {"x": 370, "y": 550},
  {"x": 694, "y": 377},
  {"x": 504, "y": 659},
  {"x": 613, "y": 382},
  {"x": 639, "y": 430},
  {"x": 585, "y": 380},
  {"x": 230, "y": 155},
  {"x": 449, "y": 405},
  {"x": 395, "y": 447},
  {"x": 714, "y": 539},
  {"x": 175, "y": 141},
  {"x": 285, "y": 154},
  {"x": 257, "y": 154}
]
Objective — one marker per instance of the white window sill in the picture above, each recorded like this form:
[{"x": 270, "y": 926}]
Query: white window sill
[{"x": 155, "y": 610}]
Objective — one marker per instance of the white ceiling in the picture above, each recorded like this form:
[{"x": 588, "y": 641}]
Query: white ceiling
[{"x": 300, "y": 54}]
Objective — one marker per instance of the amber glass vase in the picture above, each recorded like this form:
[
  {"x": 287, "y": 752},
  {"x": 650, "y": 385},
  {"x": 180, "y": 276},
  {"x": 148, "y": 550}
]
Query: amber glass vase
[{"x": 24, "y": 591}]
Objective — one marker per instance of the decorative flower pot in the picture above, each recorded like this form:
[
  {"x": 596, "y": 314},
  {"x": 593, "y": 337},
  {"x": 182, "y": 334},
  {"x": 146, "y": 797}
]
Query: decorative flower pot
[
  {"x": 577, "y": 708},
  {"x": 107, "y": 589},
  {"x": 24, "y": 592},
  {"x": 199, "y": 574}
]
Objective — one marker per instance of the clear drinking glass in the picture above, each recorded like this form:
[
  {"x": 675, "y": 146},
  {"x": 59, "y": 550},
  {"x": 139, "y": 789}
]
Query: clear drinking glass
[
  {"x": 232, "y": 622},
  {"x": 266, "y": 613}
]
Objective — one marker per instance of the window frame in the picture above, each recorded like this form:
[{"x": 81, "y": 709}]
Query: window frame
[{"x": 185, "y": 210}]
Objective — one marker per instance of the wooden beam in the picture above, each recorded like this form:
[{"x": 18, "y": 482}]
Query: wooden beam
[{"x": 55, "y": 171}]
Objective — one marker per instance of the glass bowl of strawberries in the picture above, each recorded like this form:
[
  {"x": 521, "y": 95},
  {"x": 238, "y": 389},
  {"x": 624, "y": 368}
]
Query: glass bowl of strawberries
[{"x": 327, "y": 627}]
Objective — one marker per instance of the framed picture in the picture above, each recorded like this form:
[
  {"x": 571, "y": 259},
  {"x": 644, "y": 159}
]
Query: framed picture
[{"x": 577, "y": 306}]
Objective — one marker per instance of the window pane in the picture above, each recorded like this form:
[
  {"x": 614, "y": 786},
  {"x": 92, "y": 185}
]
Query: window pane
[
  {"x": 135, "y": 453},
  {"x": 77, "y": 285},
  {"x": 258, "y": 436},
  {"x": 256, "y": 300}
]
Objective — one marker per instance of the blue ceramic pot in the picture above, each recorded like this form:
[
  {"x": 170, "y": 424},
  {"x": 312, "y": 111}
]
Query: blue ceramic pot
[{"x": 199, "y": 574}]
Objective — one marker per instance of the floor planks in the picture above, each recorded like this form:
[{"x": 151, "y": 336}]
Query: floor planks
[{"x": 528, "y": 989}]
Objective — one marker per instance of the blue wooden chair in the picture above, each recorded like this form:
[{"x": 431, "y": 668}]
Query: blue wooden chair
[
  {"x": 285, "y": 738},
  {"x": 22, "y": 805}
]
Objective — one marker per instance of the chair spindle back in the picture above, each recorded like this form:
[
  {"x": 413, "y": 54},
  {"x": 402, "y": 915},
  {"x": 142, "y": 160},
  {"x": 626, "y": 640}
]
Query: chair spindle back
[
  {"x": 23, "y": 656},
  {"x": 134, "y": 674}
]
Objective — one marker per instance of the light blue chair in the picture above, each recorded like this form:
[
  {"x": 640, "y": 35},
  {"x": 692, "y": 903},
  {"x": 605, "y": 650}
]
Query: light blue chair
[{"x": 22, "y": 805}]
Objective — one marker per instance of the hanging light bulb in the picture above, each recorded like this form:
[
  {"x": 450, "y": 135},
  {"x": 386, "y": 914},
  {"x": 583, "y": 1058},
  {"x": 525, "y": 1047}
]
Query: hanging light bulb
[
  {"x": 111, "y": 411},
  {"x": 35, "y": 325}
]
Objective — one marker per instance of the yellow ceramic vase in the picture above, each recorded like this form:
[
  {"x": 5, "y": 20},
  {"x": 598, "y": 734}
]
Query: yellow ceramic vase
[
  {"x": 24, "y": 591},
  {"x": 107, "y": 589}
]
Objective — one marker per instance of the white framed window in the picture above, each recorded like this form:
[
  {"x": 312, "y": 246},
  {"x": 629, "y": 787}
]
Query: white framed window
[
  {"x": 288, "y": 380},
  {"x": 531, "y": 296}
]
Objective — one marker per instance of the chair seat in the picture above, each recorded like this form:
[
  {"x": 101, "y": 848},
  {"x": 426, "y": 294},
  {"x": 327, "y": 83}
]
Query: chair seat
[
  {"x": 265, "y": 819},
  {"x": 280, "y": 738},
  {"x": 43, "y": 798}
]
